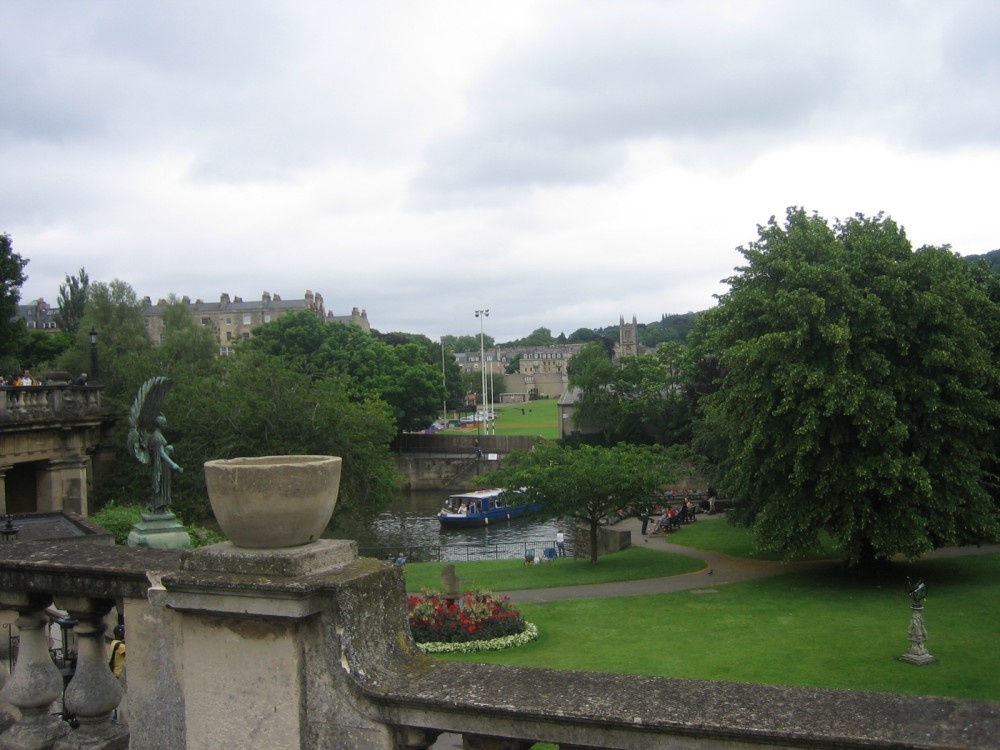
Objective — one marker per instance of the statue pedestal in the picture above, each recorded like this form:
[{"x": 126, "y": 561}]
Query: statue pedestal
[
  {"x": 917, "y": 653},
  {"x": 159, "y": 530},
  {"x": 917, "y": 658}
]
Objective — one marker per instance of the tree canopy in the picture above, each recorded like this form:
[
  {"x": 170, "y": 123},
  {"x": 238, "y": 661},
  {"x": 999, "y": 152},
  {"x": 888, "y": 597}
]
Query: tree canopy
[
  {"x": 589, "y": 483},
  {"x": 72, "y": 300},
  {"x": 642, "y": 401},
  {"x": 11, "y": 278},
  {"x": 858, "y": 390},
  {"x": 403, "y": 374},
  {"x": 467, "y": 343}
]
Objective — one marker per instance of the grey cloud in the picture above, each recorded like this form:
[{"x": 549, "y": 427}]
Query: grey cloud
[
  {"x": 558, "y": 109},
  {"x": 249, "y": 89}
]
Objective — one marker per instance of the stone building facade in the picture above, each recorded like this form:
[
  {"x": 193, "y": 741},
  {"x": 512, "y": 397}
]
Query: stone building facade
[
  {"x": 542, "y": 370},
  {"x": 233, "y": 318},
  {"x": 38, "y": 315}
]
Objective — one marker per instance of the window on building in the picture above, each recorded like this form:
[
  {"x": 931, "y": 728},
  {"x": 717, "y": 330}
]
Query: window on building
[
  {"x": 206, "y": 321},
  {"x": 229, "y": 335},
  {"x": 267, "y": 317},
  {"x": 246, "y": 319},
  {"x": 229, "y": 321},
  {"x": 246, "y": 337}
]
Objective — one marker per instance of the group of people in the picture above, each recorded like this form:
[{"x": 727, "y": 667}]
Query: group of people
[
  {"x": 19, "y": 380},
  {"x": 672, "y": 517},
  {"x": 27, "y": 379}
]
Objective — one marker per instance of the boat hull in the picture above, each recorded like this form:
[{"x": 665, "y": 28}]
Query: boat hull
[{"x": 485, "y": 518}]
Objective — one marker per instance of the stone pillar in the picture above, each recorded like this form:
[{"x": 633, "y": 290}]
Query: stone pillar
[
  {"x": 62, "y": 485},
  {"x": 93, "y": 693},
  {"x": 36, "y": 682},
  {"x": 3, "y": 489},
  {"x": 255, "y": 644}
]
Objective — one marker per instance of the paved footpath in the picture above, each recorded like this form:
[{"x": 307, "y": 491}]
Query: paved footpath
[{"x": 719, "y": 569}]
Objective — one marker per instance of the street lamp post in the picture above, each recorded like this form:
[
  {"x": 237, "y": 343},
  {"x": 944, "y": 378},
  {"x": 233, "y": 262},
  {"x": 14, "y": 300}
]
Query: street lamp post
[
  {"x": 482, "y": 360},
  {"x": 94, "y": 374}
]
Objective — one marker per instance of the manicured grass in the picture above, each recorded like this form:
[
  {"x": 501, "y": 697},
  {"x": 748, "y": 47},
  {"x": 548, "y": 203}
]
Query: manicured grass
[
  {"x": 633, "y": 564},
  {"x": 538, "y": 418},
  {"x": 822, "y": 628},
  {"x": 721, "y": 536}
]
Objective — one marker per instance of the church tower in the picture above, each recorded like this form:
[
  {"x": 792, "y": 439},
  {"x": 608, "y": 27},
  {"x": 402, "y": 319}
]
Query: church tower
[{"x": 628, "y": 338}]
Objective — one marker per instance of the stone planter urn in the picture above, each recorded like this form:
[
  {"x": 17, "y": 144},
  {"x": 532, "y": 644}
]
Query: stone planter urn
[{"x": 269, "y": 502}]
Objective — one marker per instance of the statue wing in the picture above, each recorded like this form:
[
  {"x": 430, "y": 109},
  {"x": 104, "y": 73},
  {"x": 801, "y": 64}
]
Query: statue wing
[{"x": 148, "y": 405}]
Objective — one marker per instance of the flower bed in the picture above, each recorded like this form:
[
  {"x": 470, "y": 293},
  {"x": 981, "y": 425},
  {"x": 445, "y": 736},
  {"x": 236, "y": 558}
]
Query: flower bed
[{"x": 475, "y": 621}]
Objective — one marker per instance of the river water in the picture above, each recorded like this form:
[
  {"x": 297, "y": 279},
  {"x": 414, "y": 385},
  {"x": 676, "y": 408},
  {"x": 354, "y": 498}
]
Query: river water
[{"x": 410, "y": 525}]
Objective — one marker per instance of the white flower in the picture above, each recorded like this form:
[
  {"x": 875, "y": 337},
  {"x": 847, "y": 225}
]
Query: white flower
[{"x": 529, "y": 634}]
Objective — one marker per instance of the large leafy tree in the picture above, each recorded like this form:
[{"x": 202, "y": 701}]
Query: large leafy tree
[
  {"x": 11, "y": 278},
  {"x": 641, "y": 401},
  {"x": 589, "y": 483},
  {"x": 538, "y": 337},
  {"x": 123, "y": 348},
  {"x": 467, "y": 343},
  {"x": 253, "y": 404},
  {"x": 859, "y": 390},
  {"x": 72, "y": 301},
  {"x": 187, "y": 344},
  {"x": 402, "y": 375},
  {"x": 256, "y": 404}
]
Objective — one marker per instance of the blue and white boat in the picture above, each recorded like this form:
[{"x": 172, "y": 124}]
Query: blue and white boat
[{"x": 483, "y": 507}]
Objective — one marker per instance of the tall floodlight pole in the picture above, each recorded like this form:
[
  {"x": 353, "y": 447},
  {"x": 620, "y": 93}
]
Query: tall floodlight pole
[
  {"x": 444, "y": 387},
  {"x": 493, "y": 401},
  {"x": 482, "y": 359},
  {"x": 489, "y": 406}
]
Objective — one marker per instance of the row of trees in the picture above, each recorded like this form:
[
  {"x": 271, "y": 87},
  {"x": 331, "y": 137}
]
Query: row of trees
[{"x": 299, "y": 385}]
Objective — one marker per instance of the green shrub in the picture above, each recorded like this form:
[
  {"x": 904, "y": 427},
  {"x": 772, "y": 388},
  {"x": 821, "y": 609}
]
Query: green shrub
[
  {"x": 202, "y": 537},
  {"x": 119, "y": 520}
]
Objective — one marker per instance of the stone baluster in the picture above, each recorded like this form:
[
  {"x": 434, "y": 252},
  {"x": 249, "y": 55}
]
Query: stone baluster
[
  {"x": 93, "y": 692},
  {"x": 36, "y": 681},
  {"x": 411, "y": 738}
]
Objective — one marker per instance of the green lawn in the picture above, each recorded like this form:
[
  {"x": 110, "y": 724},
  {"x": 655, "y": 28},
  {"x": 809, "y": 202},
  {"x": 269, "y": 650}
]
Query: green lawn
[
  {"x": 716, "y": 534},
  {"x": 813, "y": 629},
  {"x": 633, "y": 564},
  {"x": 538, "y": 418},
  {"x": 822, "y": 628}
]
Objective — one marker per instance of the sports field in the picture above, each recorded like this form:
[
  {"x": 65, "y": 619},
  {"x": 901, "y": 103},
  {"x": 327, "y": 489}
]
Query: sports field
[{"x": 533, "y": 418}]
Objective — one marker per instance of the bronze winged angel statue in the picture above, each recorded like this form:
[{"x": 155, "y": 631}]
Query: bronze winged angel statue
[{"x": 147, "y": 443}]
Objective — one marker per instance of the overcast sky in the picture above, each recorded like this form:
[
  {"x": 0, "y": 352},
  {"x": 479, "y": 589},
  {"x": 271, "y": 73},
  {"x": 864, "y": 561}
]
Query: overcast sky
[{"x": 559, "y": 162}]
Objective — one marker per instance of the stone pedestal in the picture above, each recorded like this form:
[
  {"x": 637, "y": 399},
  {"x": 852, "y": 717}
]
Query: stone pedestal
[
  {"x": 159, "y": 530},
  {"x": 256, "y": 641},
  {"x": 917, "y": 653}
]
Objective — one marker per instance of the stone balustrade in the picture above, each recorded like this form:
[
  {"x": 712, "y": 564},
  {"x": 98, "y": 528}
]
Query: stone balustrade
[
  {"x": 48, "y": 403},
  {"x": 307, "y": 647}
]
